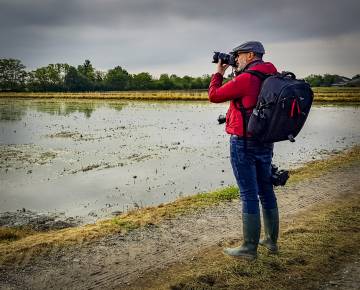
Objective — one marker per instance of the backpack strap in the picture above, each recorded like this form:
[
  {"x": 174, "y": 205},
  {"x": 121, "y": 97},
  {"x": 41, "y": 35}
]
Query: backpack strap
[
  {"x": 242, "y": 109},
  {"x": 259, "y": 74}
]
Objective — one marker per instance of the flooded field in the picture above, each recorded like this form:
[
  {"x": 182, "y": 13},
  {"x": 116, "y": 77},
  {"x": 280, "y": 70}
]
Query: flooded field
[{"x": 89, "y": 159}]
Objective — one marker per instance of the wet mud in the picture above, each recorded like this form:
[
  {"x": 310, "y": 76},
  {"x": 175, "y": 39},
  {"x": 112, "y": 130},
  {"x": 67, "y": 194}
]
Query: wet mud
[{"x": 29, "y": 220}]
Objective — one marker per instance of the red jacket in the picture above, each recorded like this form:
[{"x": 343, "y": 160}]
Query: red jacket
[{"x": 244, "y": 86}]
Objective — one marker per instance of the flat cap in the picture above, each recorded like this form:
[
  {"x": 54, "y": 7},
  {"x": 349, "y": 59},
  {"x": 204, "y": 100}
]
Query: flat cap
[{"x": 254, "y": 46}]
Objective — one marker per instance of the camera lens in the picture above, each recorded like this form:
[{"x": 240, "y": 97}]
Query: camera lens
[
  {"x": 216, "y": 57},
  {"x": 224, "y": 57}
]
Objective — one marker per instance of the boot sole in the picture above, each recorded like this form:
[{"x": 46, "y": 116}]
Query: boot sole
[
  {"x": 271, "y": 251},
  {"x": 246, "y": 257}
]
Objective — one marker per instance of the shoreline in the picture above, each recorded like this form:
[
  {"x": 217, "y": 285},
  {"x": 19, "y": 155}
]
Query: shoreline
[
  {"x": 13, "y": 241},
  {"x": 31, "y": 221},
  {"x": 321, "y": 95}
]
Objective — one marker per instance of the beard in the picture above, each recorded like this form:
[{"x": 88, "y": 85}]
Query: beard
[{"x": 241, "y": 65}]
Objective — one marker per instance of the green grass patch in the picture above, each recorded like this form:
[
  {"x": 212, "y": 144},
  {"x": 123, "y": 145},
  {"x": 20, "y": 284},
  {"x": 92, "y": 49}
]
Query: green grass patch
[
  {"x": 125, "y": 225},
  {"x": 153, "y": 215}
]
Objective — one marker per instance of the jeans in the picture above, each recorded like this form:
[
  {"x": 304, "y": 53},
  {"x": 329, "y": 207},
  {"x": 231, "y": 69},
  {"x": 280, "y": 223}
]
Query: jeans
[{"x": 252, "y": 170}]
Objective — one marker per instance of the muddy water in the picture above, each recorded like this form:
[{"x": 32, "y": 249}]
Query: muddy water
[{"x": 92, "y": 158}]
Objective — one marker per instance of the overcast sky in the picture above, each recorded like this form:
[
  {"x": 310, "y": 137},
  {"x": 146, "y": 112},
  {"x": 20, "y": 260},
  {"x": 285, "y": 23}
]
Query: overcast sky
[{"x": 179, "y": 36}]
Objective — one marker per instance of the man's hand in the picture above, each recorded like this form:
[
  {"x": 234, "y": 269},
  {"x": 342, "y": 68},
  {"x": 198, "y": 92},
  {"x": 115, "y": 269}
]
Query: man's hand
[{"x": 221, "y": 68}]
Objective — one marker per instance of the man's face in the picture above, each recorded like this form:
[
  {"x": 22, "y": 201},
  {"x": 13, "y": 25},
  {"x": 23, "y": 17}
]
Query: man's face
[{"x": 241, "y": 60}]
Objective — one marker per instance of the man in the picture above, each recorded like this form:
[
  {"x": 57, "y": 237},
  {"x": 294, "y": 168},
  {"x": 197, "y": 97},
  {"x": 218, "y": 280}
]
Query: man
[{"x": 250, "y": 159}]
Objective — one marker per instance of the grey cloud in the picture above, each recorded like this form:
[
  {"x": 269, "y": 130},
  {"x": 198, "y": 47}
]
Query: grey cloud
[
  {"x": 19, "y": 13},
  {"x": 143, "y": 33},
  {"x": 288, "y": 19}
]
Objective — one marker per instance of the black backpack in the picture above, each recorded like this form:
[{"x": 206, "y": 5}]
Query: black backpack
[{"x": 281, "y": 110}]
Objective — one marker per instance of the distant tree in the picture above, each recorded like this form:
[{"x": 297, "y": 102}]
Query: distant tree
[
  {"x": 63, "y": 77},
  {"x": 206, "y": 81},
  {"x": 117, "y": 79},
  {"x": 99, "y": 82},
  {"x": 87, "y": 70},
  {"x": 187, "y": 82},
  {"x": 326, "y": 80},
  {"x": 76, "y": 81},
  {"x": 165, "y": 83},
  {"x": 177, "y": 82},
  {"x": 196, "y": 83},
  {"x": 142, "y": 81},
  {"x": 315, "y": 80},
  {"x": 49, "y": 78},
  {"x": 329, "y": 79},
  {"x": 12, "y": 75}
]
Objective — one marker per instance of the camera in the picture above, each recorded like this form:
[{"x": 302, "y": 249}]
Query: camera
[
  {"x": 278, "y": 177},
  {"x": 221, "y": 119},
  {"x": 224, "y": 57}
]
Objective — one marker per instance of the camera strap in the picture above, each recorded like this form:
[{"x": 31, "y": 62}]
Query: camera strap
[{"x": 245, "y": 117}]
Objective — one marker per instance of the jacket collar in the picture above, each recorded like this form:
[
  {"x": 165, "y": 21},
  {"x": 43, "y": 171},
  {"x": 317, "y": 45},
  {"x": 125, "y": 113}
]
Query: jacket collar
[
  {"x": 253, "y": 63},
  {"x": 249, "y": 65}
]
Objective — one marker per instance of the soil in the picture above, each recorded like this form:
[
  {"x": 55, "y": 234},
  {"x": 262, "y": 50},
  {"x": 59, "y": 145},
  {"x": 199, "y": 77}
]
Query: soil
[
  {"x": 123, "y": 261},
  {"x": 37, "y": 221},
  {"x": 24, "y": 156},
  {"x": 345, "y": 279}
]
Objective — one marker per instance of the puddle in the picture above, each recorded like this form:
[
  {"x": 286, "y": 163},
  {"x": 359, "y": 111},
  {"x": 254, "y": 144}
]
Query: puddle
[{"x": 89, "y": 159}]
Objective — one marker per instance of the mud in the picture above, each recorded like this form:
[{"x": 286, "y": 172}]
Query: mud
[
  {"x": 348, "y": 278},
  {"x": 37, "y": 221},
  {"x": 24, "y": 156}
]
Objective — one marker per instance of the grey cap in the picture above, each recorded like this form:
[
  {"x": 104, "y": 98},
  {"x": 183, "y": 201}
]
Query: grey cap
[{"x": 254, "y": 46}]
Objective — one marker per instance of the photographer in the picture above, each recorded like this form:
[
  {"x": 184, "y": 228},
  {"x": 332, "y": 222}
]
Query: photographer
[{"x": 250, "y": 159}]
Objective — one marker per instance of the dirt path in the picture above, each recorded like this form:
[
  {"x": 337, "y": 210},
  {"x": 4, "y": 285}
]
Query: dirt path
[
  {"x": 119, "y": 261},
  {"x": 348, "y": 278}
]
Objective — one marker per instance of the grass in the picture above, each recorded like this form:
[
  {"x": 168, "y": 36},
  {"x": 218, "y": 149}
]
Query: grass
[
  {"x": 318, "y": 167},
  {"x": 13, "y": 234},
  {"x": 15, "y": 243},
  {"x": 313, "y": 247},
  {"x": 336, "y": 89},
  {"x": 192, "y": 95},
  {"x": 322, "y": 94}
]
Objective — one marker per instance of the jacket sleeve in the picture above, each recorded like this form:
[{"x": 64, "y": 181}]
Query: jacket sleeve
[{"x": 233, "y": 89}]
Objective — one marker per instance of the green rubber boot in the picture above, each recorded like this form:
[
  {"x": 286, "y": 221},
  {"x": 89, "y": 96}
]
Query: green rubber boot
[
  {"x": 251, "y": 233},
  {"x": 271, "y": 227}
]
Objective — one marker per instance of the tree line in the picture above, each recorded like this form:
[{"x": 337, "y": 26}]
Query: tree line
[
  {"x": 328, "y": 80},
  {"x": 62, "y": 77}
]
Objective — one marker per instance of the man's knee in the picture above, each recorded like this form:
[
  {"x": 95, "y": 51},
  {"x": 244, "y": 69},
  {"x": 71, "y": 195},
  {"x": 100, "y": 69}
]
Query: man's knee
[{"x": 268, "y": 200}]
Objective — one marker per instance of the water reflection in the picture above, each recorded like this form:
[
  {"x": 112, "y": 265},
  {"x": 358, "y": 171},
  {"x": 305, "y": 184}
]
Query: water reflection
[
  {"x": 11, "y": 112},
  {"x": 90, "y": 158},
  {"x": 15, "y": 109}
]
